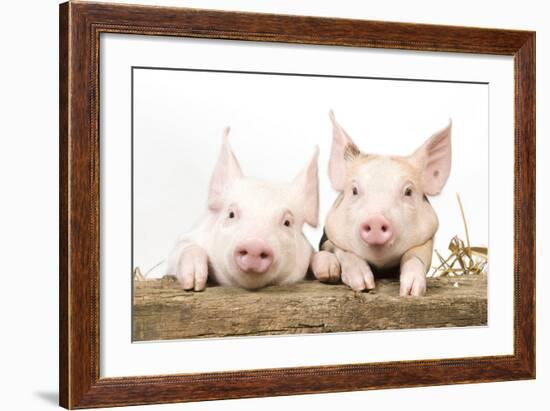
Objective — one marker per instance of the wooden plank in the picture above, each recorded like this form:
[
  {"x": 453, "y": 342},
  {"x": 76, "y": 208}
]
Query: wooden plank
[{"x": 162, "y": 310}]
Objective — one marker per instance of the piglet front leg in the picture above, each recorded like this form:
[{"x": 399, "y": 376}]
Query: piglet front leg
[
  {"x": 414, "y": 266},
  {"x": 356, "y": 273},
  {"x": 412, "y": 279},
  {"x": 192, "y": 268},
  {"x": 325, "y": 267},
  {"x": 332, "y": 263}
]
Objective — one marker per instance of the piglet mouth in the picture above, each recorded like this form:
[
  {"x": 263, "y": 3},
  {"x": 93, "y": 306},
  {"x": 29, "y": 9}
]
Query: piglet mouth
[{"x": 378, "y": 248}]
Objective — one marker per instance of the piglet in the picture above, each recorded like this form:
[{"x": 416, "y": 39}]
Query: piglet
[
  {"x": 251, "y": 234},
  {"x": 382, "y": 219}
]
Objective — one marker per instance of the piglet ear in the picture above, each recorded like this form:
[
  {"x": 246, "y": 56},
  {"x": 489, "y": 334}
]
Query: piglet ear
[
  {"x": 434, "y": 160},
  {"x": 307, "y": 189},
  {"x": 343, "y": 151},
  {"x": 226, "y": 171}
]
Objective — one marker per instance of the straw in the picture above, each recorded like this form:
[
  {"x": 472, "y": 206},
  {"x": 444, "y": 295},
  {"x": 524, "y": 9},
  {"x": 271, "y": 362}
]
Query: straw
[{"x": 463, "y": 259}]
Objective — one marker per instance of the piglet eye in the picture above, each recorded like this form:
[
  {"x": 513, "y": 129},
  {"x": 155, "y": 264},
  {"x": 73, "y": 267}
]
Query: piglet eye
[
  {"x": 287, "y": 219},
  {"x": 231, "y": 214},
  {"x": 354, "y": 191},
  {"x": 408, "y": 191}
]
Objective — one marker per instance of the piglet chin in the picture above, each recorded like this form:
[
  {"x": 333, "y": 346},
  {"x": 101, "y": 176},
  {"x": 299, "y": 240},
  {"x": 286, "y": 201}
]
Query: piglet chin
[
  {"x": 252, "y": 281},
  {"x": 380, "y": 255}
]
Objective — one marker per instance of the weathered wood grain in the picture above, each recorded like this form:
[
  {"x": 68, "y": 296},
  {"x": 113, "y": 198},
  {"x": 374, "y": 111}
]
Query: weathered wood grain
[{"x": 162, "y": 310}]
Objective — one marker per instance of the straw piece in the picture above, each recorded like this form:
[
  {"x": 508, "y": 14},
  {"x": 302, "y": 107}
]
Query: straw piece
[
  {"x": 463, "y": 259},
  {"x": 138, "y": 276},
  {"x": 463, "y": 219}
]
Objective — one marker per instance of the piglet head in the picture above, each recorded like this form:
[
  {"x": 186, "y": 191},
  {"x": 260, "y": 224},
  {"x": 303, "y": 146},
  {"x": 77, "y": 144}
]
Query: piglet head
[
  {"x": 256, "y": 233},
  {"x": 382, "y": 209}
]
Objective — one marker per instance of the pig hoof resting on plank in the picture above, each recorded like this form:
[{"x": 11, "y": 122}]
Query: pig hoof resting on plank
[
  {"x": 251, "y": 235},
  {"x": 382, "y": 219}
]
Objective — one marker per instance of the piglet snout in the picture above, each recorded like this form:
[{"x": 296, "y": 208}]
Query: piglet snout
[
  {"x": 254, "y": 256},
  {"x": 376, "y": 230}
]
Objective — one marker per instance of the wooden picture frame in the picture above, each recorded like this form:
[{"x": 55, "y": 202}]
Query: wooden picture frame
[{"x": 80, "y": 27}]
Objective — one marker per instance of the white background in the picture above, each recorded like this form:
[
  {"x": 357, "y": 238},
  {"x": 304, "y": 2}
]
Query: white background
[
  {"x": 29, "y": 207},
  {"x": 277, "y": 121},
  {"x": 165, "y": 120}
]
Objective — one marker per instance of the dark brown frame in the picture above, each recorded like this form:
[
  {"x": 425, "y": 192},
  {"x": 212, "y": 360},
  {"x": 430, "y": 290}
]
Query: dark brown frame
[{"x": 80, "y": 27}]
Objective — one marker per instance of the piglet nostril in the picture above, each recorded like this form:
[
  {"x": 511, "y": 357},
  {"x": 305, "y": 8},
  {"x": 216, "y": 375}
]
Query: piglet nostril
[
  {"x": 263, "y": 255},
  {"x": 384, "y": 228},
  {"x": 367, "y": 228},
  {"x": 243, "y": 252}
]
